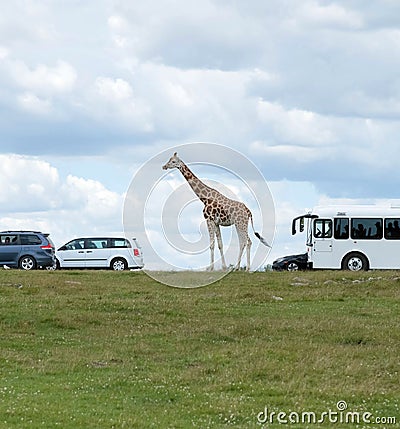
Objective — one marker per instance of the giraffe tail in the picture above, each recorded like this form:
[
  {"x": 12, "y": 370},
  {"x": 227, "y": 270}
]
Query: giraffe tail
[{"x": 263, "y": 240}]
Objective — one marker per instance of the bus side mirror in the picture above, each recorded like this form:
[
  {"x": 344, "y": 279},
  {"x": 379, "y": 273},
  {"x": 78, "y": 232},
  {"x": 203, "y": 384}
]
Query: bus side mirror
[{"x": 302, "y": 224}]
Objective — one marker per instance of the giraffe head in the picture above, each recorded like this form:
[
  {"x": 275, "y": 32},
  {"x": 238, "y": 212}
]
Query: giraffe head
[{"x": 174, "y": 162}]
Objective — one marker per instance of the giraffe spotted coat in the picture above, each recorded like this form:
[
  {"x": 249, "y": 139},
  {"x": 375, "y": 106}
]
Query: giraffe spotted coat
[{"x": 218, "y": 210}]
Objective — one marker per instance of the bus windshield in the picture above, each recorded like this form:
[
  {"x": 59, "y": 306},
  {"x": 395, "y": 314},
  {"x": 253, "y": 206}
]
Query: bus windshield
[{"x": 304, "y": 222}]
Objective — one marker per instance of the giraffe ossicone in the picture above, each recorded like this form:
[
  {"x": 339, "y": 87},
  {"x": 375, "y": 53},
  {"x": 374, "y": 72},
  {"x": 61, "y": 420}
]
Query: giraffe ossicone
[{"x": 218, "y": 211}]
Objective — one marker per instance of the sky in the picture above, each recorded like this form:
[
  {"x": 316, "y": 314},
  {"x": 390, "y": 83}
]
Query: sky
[{"x": 91, "y": 91}]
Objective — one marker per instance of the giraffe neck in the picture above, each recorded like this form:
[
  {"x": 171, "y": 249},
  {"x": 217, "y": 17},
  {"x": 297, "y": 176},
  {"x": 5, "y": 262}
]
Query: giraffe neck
[{"x": 199, "y": 188}]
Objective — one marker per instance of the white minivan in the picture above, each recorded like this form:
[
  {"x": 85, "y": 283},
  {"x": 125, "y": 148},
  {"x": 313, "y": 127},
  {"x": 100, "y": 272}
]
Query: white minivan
[{"x": 117, "y": 253}]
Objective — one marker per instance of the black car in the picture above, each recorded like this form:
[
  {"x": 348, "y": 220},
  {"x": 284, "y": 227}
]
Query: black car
[
  {"x": 291, "y": 263},
  {"x": 26, "y": 250}
]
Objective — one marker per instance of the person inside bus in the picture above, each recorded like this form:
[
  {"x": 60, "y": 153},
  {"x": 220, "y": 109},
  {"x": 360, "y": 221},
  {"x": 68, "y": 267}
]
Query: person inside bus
[
  {"x": 392, "y": 230},
  {"x": 360, "y": 231},
  {"x": 396, "y": 229},
  {"x": 345, "y": 234},
  {"x": 342, "y": 231},
  {"x": 378, "y": 233},
  {"x": 389, "y": 230}
]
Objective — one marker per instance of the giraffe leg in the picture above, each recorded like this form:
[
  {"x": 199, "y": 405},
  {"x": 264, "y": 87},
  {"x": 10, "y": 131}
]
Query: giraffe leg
[
  {"x": 211, "y": 232},
  {"x": 220, "y": 246},
  {"x": 242, "y": 243},
  {"x": 248, "y": 253}
]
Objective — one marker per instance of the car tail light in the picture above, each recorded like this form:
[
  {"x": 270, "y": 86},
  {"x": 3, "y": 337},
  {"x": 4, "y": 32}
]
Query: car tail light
[
  {"x": 47, "y": 246},
  {"x": 136, "y": 252}
]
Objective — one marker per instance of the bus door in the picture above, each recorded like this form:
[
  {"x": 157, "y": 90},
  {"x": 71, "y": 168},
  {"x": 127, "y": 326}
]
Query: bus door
[{"x": 322, "y": 243}]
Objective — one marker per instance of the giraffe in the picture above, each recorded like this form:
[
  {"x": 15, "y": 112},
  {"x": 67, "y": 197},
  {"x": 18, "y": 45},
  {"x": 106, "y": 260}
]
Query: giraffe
[{"x": 219, "y": 210}]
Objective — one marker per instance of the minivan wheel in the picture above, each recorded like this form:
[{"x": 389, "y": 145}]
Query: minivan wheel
[
  {"x": 119, "y": 264},
  {"x": 27, "y": 263}
]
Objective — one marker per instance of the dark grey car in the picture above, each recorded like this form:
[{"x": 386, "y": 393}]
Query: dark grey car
[
  {"x": 27, "y": 250},
  {"x": 291, "y": 263}
]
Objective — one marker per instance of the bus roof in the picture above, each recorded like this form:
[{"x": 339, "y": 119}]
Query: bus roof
[{"x": 356, "y": 211}]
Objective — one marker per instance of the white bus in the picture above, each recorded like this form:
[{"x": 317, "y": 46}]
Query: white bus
[{"x": 351, "y": 237}]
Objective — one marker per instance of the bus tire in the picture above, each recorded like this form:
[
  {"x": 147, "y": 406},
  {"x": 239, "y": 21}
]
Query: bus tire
[{"x": 355, "y": 261}]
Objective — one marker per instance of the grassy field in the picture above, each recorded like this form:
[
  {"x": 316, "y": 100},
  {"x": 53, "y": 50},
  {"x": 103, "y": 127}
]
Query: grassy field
[{"x": 97, "y": 349}]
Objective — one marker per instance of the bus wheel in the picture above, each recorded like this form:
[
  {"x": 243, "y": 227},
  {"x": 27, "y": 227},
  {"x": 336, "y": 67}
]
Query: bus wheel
[{"x": 355, "y": 262}]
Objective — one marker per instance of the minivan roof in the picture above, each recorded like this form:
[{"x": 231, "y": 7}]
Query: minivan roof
[
  {"x": 15, "y": 231},
  {"x": 94, "y": 237}
]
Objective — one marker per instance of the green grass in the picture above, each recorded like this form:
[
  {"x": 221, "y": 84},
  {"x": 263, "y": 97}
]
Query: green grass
[{"x": 97, "y": 349}]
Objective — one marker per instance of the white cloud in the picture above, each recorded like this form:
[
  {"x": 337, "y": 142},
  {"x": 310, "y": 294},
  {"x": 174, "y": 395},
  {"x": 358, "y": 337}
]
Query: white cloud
[
  {"x": 299, "y": 154},
  {"x": 20, "y": 191},
  {"x": 114, "y": 100},
  {"x": 296, "y": 125},
  {"x": 33, "y": 195},
  {"x": 43, "y": 78},
  {"x": 332, "y": 14},
  {"x": 175, "y": 103},
  {"x": 3, "y": 52},
  {"x": 178, "y": 33},
  {"x": 34, "y": 104},
  {"x": 117, "y": 23},
  {"x": 41, "y": 89},
  {"x": 113, "y": 90},
  {"x": 96, "y": 200}
]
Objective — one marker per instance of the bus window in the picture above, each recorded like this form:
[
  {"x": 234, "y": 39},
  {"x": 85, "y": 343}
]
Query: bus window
[
  {"x": 392, "y": 229},
  {"x": 366, "y": 228},
  {"x": 323, "y": 228},
  {"x": 341, "y": 228}
]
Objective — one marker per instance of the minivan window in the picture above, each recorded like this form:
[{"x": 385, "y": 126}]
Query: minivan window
[
  {"x": 30, "y": 239},
  {"x": 119, "y": 242},
  {"x": 75, "y": 244},
  {"x": 8, "y": 239},
  {"x": 96, "y": 243}
]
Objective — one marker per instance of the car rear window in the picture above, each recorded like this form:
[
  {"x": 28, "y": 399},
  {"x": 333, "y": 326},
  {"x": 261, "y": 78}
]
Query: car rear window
[
  {"x": 30, "y": 239},
  {"x": 119, "y": 242}
]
